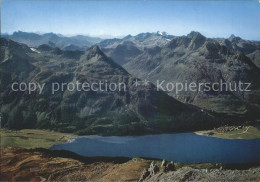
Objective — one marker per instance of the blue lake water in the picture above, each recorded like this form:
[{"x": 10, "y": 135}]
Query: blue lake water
[{"x": 180, "y": 147}]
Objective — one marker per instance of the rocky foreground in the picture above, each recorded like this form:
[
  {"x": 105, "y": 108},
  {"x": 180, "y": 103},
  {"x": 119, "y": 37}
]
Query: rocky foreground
[
  {"x": 44, "y": 165},
  {"x": 191, "y": 174}
]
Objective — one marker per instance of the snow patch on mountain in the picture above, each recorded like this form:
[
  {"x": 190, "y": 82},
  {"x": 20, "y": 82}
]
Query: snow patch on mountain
[{"x": 35, "y": 50}]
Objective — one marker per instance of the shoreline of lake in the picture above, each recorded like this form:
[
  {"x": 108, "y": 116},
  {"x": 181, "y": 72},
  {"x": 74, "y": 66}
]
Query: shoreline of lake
[
  {"x": 178, "y": 147},
  {"x": 232, "y": 132}
]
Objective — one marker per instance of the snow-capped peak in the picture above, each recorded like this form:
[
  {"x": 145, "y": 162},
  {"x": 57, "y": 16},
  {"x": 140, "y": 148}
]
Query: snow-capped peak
[
  {"x": 162, "y": 33},
  {"x": 159, "y": 33}
]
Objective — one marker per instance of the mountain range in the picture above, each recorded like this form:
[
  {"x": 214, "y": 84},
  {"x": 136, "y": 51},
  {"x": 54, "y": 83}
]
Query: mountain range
[
  {"x": 195, "y": 58},
  {"x": 78, "y": 42},
  {"x": 47, "y": 58},
  {"x": 137, "y": 110}
]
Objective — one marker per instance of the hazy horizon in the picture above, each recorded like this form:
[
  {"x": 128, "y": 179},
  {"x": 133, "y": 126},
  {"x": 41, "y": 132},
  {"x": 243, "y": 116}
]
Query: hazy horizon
[
  {"x": 110, "y": 36},
  {"x": 109, "y": 19}
]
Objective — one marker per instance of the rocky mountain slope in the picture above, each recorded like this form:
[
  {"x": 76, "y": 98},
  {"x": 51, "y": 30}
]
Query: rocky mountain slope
[
  {"x": 249, "y": 48},
  {"x": 195, "y": 58},
  {"x": 206, "y": 59},
  {"x": 139, "y": 109}
]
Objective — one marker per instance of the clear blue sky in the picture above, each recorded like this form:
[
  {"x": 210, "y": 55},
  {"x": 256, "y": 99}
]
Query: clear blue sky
[{"x": 118, "y": 18}]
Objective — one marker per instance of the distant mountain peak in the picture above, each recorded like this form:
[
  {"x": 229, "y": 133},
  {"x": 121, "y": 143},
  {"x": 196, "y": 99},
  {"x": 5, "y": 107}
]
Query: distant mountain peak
[
  {"x": 128, "y": 36},
  {"x": 234, "y": 38},
  {"x": 25, "y": 34},
  {"x": 94, "y": 51},
  {"x": 197, "y": 39},
  {"x": 193, "y": 34},
  {"x": 144, "y": 35},
  {"x": 19, "y": 32}
]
